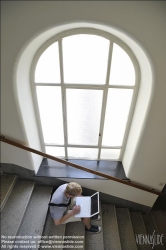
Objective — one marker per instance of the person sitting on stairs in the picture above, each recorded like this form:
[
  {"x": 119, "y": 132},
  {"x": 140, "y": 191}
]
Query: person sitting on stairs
[{"x": 62, "y": 212}]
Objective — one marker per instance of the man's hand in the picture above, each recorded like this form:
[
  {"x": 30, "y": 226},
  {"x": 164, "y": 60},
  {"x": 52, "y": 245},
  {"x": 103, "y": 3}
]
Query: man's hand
[{"x": 76, "y": 209}]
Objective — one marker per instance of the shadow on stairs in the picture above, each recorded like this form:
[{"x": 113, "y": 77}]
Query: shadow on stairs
[{"x": 26, "y": 223}]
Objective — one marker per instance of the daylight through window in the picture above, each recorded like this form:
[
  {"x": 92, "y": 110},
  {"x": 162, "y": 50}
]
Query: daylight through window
[{"x": 85, "y": 85}]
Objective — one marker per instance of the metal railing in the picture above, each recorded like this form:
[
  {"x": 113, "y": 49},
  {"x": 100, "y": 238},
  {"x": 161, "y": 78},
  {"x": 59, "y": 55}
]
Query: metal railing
[{"x": 125, "y": 182}]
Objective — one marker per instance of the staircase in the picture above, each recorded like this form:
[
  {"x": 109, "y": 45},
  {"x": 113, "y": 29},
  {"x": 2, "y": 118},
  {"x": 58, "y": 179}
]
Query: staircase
[{"x": 26, "y": 223}]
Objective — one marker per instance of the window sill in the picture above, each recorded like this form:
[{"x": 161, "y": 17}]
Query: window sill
[{"x": 50, "y": 168}]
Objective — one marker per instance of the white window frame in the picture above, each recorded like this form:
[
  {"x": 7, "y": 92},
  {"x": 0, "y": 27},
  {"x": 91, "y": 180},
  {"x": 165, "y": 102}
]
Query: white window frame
[{"x": 105, "y": 88}]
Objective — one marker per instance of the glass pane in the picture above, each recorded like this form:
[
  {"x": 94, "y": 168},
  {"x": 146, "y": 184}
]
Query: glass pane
[
  {"x": 47, "y": 68},
  {"x": 85, "y": 59},
  {"x": 55, "y": 151},
  {"x": 122, "y": 69},
  {"x": 83, "y": 116},
  {"x": 110, "y": 154},
  {"x": 88, "y": 153},
  {"x": 118, "y": 105},
  {"x": 50, "y": 108}
]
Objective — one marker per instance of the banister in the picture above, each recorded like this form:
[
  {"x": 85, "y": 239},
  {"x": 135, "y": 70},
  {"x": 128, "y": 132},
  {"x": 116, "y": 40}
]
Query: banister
[{"x": 16, "y": 144}]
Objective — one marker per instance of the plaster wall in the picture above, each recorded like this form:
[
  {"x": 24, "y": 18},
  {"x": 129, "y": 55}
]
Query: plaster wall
[{"x": 27, "y": 25}]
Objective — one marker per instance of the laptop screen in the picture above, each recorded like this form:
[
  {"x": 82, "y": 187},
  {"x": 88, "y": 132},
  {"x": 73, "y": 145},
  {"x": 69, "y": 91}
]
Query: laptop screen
[{"x": 94, "y": 204}]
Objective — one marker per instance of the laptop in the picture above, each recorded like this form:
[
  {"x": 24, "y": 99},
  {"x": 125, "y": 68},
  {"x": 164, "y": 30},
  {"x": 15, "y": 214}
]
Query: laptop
[{"x": 89, "y": 205}]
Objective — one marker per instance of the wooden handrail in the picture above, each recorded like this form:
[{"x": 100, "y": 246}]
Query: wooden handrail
[{"x": 128, "y": 183}]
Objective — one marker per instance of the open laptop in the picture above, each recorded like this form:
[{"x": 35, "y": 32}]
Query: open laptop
[{"x": 89, "y": 205}]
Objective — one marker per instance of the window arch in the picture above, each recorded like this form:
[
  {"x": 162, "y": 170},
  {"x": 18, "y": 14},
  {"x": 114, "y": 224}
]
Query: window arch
[{"x": 85, "y": 84}]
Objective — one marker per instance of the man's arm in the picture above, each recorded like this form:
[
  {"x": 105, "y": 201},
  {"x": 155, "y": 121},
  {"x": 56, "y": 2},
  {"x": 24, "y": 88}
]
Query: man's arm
[{"x": 75, "y": 210}]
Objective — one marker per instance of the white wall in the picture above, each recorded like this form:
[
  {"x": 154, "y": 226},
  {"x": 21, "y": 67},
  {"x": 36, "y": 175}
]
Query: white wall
[
  {"x": 27, "y": 24},
  {"x": 117, "y": 189}
]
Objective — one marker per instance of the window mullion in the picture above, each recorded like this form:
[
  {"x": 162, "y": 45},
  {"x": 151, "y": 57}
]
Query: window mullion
[
  {"x": 105, "y": 94},
  {"x": 106, "y": 88},
  {"x": 47, "y": 84},
  {"x": 121, "y": 87},
  {"x": 63, "y": 91}
]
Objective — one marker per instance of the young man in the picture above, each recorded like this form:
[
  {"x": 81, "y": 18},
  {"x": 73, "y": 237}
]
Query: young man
[{"x": 62, "y": 214}]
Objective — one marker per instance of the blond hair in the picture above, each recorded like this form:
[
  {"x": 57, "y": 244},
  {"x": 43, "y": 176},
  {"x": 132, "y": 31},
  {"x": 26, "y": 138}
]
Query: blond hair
[{"x": 73, "y": 189}]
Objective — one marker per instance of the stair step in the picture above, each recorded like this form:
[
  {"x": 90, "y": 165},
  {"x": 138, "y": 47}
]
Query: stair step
[
  {"x": 25, "y": 216},
  {"x": 152, "y": 229},
  {"x": 139, "y": 229},
  {"x": 95, "y": 241},
  {"x": 110, "y": 228},
  {"x": 126, "y": 233},
  {"x": 15, "y": 207},
  {"x": 75, "y": 229},
  {"x": 14, "y": 210},
  {"x": 7, "y": 184},
  {"x": 55, "y": 233},
  {"x": 160, "y": 220},
  {"x": 35, "y": 216}
]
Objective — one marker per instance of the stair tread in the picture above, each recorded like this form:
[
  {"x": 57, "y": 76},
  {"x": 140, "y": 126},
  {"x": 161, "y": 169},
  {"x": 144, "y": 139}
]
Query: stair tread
[
  {"x": 139, "y": 228},
  {"x": 15, "y": 207},
  {"x": 35, "y": 216},
  {"x": 126, "y": 233},
  {"x": 75, "y": 229},
  {"x": 110, "y": 228},
  {"x": 7, "y": 184},
  {"x": 160, "y": 220},
  {"x": 152, "y": 229},
  {"x": 24, "y": 209},
  {"x": 51, "y": 230},
  {"x": 95, "y": 241}
]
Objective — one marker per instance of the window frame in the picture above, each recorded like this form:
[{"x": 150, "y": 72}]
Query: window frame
[{"x": 105, "y": 87}]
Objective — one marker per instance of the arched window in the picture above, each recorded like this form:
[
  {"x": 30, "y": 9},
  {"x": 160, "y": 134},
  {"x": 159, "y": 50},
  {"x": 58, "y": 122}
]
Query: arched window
[{"x": 85, "y": 83}]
